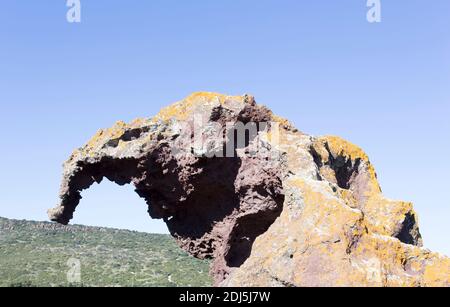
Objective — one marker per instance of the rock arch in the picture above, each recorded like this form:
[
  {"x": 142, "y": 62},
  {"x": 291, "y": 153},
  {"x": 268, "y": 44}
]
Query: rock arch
[
  {"x": 215, "y": 207},
  {"x": 303, "y": 211}
]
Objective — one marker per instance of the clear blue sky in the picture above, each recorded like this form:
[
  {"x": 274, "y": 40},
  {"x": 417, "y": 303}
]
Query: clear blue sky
[{"x": 385, "y": 87}]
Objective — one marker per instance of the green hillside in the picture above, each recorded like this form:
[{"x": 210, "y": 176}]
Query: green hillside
[{"x": 39, "y": 254}]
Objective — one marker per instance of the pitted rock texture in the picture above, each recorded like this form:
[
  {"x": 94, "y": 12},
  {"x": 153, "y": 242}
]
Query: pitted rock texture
[{"x": 284, "y": 209}]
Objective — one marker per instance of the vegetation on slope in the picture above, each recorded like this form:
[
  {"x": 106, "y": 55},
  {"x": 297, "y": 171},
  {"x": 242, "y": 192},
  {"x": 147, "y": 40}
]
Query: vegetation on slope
[{"x": 40, "y": 254}]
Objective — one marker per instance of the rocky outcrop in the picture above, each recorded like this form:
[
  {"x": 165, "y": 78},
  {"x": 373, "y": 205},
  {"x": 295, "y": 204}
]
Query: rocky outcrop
[{"x": 271, "y": 205}]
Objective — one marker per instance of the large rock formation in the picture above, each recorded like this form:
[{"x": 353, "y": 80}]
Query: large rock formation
[{"x": 272, "y": 206}]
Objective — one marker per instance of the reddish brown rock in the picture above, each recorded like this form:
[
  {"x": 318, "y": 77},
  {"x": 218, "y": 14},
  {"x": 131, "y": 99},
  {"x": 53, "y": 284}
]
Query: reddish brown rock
[{"x": 274, "y": 207}]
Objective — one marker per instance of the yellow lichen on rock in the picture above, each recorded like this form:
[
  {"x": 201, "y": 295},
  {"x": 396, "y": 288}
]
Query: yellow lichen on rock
[
  {"x": 338, "y": 147},
  {"x": 348, "y": 166},
  {"x": 103, "y": 135},
  {"x": 437, "y": 273},
  {"x": 386, "y": 216},
  {"x": 329, "y": 244},
  {"x": 183, "y": 109},
  {"x": 345, "y": 233}
]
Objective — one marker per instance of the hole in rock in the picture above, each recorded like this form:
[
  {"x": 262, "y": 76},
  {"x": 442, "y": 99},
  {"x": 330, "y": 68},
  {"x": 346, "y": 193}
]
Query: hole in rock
[
  {"x": 249, "y": 228},
  {"x": 110, "y": 205},
  {"x": 111, "y": 258},
  {"x": 345, "y": 168}
]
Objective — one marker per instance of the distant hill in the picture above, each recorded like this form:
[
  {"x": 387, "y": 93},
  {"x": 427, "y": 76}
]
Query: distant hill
[{"x": 37, "y": 254}]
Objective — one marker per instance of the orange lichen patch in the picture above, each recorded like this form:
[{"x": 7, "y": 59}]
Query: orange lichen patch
[
  {"x": 437, "y": 274},
  {"x": 416, "y": 266},
  {"x": 328, "y": 174},
  {"x": 385, "y": 215},
  {"x": 284, "y": 123},
  {"x": 115, "y": 132},
  {"x": 138, "y": 122},
  {"x": 349, "y": 197},
  {"x": 182, "y": 109},
  {"x": 103, "y": 135},
  {"x": 379, "y": 258},
  {"x": 339, "y": 146},
  {"x": 320, "y": 236},
  {"x": 432, "y": 268},
  {"x": 389, "y": 250},
  {"x": 327, "y": 215}
]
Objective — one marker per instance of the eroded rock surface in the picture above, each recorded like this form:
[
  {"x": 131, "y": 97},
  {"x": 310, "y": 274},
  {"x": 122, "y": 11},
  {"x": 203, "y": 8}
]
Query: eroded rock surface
[{"x": 277, "y": 208}]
